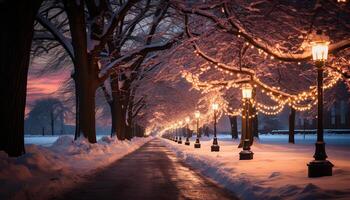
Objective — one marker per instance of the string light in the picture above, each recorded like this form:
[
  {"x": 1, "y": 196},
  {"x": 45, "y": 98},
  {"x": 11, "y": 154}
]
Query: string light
[{"x": 275, "y": 94}]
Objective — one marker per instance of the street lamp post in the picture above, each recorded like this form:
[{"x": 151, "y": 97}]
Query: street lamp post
[
  {"x": 187, "y": 131},
  {"x": 320, "y": 166},
  {"x": 179, "y": 141},
  {"x": 197, "y": 144},
  {"x": 215, "y": 146},
  {"x": 246, "y": 153}
]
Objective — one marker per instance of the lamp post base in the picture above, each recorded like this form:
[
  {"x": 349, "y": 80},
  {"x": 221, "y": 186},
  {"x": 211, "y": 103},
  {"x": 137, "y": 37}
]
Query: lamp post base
[
  {"x": 215, "y": 147},
  {"x": 197, "y": 144},
  {"x": 319, "y": 168},
  {"x": 175, "y": 140},
  {"x": 187, "y": 142},
  {"x": 246, "y": 155},
  {"x": 179, "y": 141}
]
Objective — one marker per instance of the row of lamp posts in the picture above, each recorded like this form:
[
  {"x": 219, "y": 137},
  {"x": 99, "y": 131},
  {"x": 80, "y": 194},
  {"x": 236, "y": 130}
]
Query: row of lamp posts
[
  {"x": 245, "y": 154},
  {"x": 318, "y": 167}
]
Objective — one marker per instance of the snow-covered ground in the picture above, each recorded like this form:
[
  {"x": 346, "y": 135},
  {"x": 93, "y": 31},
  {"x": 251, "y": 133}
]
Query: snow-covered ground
[
  {"x": 278, "y": 170},
  {"x": 47, "y": 170},
  {"x": 331, "y": 139},
  {"x": 46, "y": 140}
]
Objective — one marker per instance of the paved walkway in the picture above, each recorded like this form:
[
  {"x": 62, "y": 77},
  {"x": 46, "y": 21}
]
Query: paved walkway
[{"x": 151, "y": 172}]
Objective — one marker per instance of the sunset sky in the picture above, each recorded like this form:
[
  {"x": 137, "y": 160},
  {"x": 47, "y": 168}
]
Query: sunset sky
[{"x": 43, "y": 86}]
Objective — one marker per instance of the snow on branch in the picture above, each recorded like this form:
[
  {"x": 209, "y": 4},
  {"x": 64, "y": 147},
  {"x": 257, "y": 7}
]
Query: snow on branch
[
  {"x": 65, "y": 42},
  {"x": 108, "y": 69},
  {"x": 233, "y": 26},
  {"x": 108, "y": 32}
]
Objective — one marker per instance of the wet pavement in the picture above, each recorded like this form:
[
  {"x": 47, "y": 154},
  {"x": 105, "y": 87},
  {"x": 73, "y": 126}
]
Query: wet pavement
[{"x": 151, "y": 172}]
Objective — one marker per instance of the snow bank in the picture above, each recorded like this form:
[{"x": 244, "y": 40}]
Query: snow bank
[
  {"x": 45, "y": 171},
  {"x": 276, "y": 172}
]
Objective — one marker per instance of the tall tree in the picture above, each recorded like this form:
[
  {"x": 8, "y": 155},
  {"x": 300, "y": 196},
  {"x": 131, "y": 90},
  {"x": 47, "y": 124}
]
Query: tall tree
[
  {"x": 98, "y": 51},
  {"x": 17, "y": 20},
  {"x": 46, "y": 114}
]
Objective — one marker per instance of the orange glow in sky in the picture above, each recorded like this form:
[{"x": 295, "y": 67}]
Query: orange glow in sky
[{"x": 43, "y": 87}]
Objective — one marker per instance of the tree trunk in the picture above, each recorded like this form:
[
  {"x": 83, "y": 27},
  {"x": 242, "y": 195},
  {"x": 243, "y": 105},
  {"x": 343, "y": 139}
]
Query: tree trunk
[
  {"x": 128, "y": 130},
  {"x": 113, "y": 118},
  {"x": 52, "y": 123},
  {"x": 234, "y": 131},
  {"x": 118, "y": 122},
  {"x": 77, "y": 127},
  {"x": 85, "y": 74},
  {"x": 255, "y": 124},
  {"x": 17, "y": 19},
  {"x": 130, "y": 107},
  {"x": 87, "y": 110},
  {"x": 118, "y": 119},
  {"x": 250, "y": 121},
  {"x": 291, "y": 125}
]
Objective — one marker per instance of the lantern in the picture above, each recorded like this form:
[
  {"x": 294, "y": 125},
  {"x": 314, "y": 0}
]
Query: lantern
[
  {"x": 319, "y": 50},
  {"x": 197, "y": 114},
  {"x": 215, "y": 106},
  {"x": 320, "y": 47},
  {"x": 247, "y": 91}
]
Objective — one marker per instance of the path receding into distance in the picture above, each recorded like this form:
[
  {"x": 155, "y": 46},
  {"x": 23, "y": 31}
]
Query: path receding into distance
[{"x": 151, "y": 172}]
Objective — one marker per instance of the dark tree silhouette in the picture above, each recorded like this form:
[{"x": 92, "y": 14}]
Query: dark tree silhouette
[
  {"x": 46, "y": 114},
  {"x": 17, "y": 18}
]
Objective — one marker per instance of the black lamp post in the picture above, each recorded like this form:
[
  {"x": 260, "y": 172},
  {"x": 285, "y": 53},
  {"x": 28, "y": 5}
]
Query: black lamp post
[
  {"x": 179, "y": 141},
  {"x": 215, "y": 146},
  {"x": 187, "y": 131},
  {"x": 246, "y": 153},
  {"x": 320, "y": 166},
  {"x": 197, "y": 144}
]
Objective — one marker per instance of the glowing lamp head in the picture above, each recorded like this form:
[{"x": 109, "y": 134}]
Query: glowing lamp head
[
  {"x": 341, "y": 1},
  {"x": 187, "y": 119},
  {"x": 180, "y": 123},
  {"x": 319, "y": 50},
  {"x": 215, "y": 106},
  {"x": 197, "y": 114},
  {"x": 320, "y": 47},
  {"x": 247, "y": 91}
]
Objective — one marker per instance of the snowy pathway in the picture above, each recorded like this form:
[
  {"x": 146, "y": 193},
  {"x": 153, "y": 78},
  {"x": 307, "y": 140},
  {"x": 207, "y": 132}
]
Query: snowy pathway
[{"x": 151, "y": 172}]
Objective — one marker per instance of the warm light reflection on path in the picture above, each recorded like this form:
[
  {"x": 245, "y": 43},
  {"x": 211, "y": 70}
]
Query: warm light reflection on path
[{"x": 152, "y": 172}]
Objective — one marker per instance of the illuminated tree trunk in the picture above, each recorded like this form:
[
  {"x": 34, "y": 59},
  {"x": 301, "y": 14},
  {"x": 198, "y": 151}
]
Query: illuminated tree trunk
[{"x": 17, "y": 19}]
